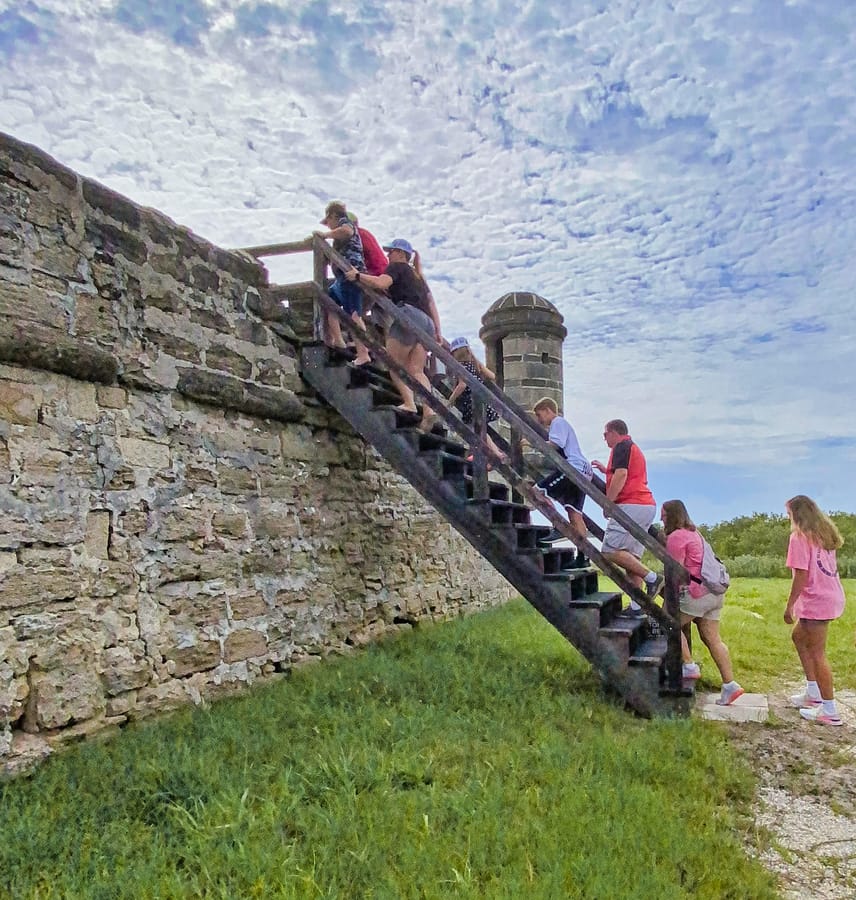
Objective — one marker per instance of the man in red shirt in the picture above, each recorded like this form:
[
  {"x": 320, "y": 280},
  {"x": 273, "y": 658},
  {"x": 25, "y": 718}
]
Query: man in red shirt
[{"x": 627, "y": 486}]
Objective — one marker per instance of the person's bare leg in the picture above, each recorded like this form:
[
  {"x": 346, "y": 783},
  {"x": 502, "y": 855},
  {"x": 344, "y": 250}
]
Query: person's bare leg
[
  {"x": 686, "y": 656},
  {"x": 708, "y": 630},
  {"x": 400, "y": 353},
  {"x": 362, "y": 356},
  {"x": 334, "y": 331},
  {"x": 801, "y": 642},
  {"x": 578, "y": 525},
  {"x": 629, "y": 563},
  {"x": 815, "y": 645}
]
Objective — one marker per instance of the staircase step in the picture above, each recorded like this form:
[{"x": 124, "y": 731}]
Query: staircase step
[
  {"x": 402, "y": 419},
  {"x": 559, "y": 559},
  {"x": 362, "y": 376},
  {"x": 501, "y": 512},
  {"x": 527, "y": 535},
  {"x": 622, "y": 629},
  {"x": 499, "y": 490},
  {"x": 650, "y": 652},
  {"x": 446, "y": 465},
  {"x": 382, "y": 396},
  {"x": 422, "y": 440}
]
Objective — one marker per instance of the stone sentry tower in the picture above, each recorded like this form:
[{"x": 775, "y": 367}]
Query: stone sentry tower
[{"x": 523, "y": 335}]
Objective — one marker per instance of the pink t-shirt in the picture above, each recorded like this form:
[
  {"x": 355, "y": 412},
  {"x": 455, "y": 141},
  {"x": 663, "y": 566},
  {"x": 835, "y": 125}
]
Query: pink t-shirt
[
  {"x": 823, "y": 596},
  {"x": 687, "y": 548}
]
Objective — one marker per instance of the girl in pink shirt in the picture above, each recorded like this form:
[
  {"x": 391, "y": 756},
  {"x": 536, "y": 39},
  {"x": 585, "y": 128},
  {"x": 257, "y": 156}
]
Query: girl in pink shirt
[
  {"x": 698, "y": 605},
  {"x": 815, "y": 599}
]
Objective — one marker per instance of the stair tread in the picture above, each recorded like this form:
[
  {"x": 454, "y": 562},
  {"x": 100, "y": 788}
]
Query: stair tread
[
  {"x": 597, "y": 599},
  {"x": 650, "y": 651},
  {"x": 622, "y": 625}
]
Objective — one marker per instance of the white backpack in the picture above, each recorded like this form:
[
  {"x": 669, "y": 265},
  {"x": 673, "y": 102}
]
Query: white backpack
[{"x": 714, "y": 575}]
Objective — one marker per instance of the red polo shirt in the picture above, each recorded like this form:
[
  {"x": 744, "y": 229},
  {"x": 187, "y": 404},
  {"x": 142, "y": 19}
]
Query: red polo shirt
[{"x": 626, "y": 455}]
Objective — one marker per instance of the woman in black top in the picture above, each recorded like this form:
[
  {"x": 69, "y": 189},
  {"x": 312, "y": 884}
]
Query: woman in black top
[{"x": 409, "y": 292}]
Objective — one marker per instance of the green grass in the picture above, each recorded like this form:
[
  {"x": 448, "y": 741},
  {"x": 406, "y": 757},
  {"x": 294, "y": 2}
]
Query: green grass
[{"x": 474, "y": 759}]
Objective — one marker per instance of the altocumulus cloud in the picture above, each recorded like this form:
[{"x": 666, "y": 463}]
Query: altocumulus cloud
[{"x": 675, "y": 176}]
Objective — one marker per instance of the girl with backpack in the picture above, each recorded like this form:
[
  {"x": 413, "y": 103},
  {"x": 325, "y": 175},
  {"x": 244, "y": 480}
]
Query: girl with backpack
[
  {"x": 698, "y": 604},
  {"x": 816, "y": 598}
]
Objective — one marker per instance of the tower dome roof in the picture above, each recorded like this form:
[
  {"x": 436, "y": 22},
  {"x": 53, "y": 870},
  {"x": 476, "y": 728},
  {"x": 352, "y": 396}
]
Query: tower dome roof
[
  {"x": 522, "y": 313},
  {"x": 522, "y": 300}
]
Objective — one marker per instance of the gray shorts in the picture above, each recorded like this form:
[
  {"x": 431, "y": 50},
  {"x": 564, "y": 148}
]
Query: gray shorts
[
  {"x": 617, "y": 537},
  {"x": 708, "y": 606},
  {"x": 412, "y": 316}
]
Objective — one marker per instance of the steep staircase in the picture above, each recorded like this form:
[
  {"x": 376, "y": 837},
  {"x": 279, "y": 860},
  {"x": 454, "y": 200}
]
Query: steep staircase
[
  {"x": 628, "y": 653},
  {"x": 638, "y": 657}
]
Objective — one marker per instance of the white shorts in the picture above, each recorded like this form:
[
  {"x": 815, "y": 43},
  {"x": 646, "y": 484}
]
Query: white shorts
[{"x": 617, "y": 537}]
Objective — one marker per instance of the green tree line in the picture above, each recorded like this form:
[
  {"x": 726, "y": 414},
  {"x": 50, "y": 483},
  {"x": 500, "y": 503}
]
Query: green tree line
[{"x": 756, "y": 546}]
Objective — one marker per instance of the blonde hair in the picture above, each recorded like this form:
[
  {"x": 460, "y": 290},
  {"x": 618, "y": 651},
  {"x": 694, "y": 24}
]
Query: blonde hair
[
  {"x": 547, "y": 403},
  {"x": 465, "y": 354},
  {"x": 809, "y": 520}
]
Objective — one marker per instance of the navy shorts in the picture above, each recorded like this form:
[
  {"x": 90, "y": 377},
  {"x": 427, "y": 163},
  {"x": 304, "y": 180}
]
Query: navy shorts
[{"x": 348, "y": 294}]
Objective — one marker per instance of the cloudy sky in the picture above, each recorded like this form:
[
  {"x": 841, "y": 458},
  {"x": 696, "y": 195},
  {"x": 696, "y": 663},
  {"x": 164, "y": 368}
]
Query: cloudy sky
[{"x": 676, "y": 177}]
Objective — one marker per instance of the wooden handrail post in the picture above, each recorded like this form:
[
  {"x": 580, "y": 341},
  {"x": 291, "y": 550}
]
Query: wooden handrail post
[
  {"x": 481, "y": 487},
  {"x": 319, "y": 273},
  {"x": 672, "y": 604}
]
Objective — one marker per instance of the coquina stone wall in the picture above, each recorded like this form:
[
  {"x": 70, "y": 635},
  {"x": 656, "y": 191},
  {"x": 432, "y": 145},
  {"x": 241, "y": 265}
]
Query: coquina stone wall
[{"x": 179, "y": 515}]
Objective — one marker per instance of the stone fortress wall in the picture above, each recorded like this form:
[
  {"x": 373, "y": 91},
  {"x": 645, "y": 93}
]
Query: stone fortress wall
[{"x": 179, "y": 515}]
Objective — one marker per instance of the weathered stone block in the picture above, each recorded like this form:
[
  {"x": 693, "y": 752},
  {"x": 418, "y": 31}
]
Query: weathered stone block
[
  {"x": 244, "y": 644},
  {"x": 111, "y": 397},
  {"x": 97, "y": 538},
  {"x": 236, "y": 481},
  {"x": 112, "y": 204},
  {"x": 194, "y": 658},
  {"x": 247, "y": 606},
  {"x": 230, "y": 524},
  {"x": 144, "y": 453},
  {"x": 62, "y": 696},
  {"x": 21, "y": 588},
  {"x": 123, "y": 671},
  {"x": 19, "y": 403},
  {"x": 218, "y": 356},
  {"x": 38, "y": 346},
  {"x": 175, "y": 346}
]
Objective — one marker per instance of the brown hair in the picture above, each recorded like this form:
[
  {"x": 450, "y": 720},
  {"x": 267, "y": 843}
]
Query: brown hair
[
  {"x": 809, "y": 520},
  {"x": 337, "y": 207},
  {"x": 546, "y": 403},
  {"x": 675, "y": 516},
  {"x": 619, "y": 426}
]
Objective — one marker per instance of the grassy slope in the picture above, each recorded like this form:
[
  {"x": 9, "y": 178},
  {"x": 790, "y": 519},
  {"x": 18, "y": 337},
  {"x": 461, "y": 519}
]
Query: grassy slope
[{"x": 475, "y": 759}]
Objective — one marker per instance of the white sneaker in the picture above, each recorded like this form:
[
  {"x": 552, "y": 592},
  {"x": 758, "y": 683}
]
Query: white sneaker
[
  {"x": 803, "y": 701},
  {"x": 729, "y": 694},
  {"x": 690, "y": 671},
  {"x": 819, "y": 717}
]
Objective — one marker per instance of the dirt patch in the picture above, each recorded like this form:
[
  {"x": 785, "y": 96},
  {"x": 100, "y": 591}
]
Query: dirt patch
[{"x": 806, "y": 810}]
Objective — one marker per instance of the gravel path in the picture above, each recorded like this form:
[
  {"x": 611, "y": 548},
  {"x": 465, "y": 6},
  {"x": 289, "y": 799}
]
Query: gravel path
[{"x": 807, "y": 798}]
